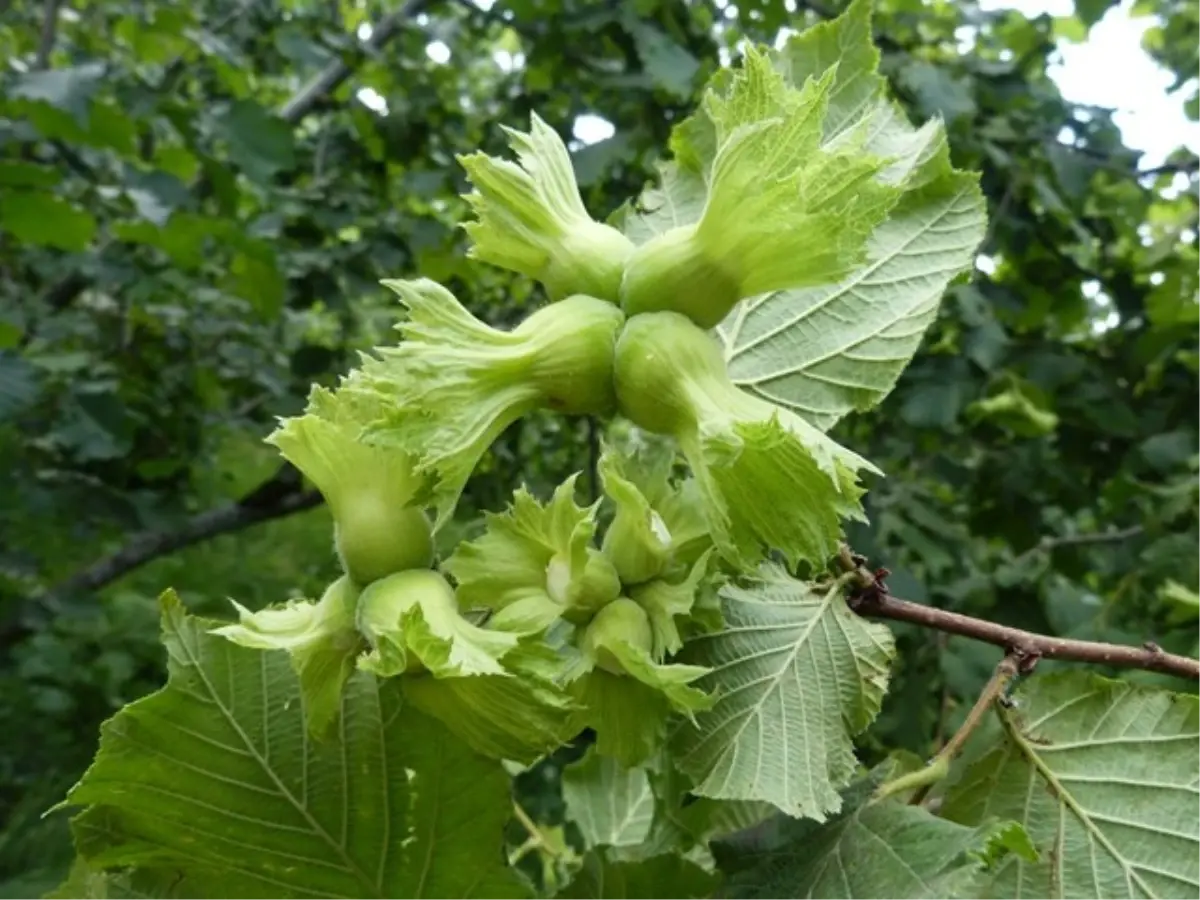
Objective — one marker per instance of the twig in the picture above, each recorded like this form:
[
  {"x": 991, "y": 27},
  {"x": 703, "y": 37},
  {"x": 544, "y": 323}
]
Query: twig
[
  {"x": 1002, "y": 207},
  {"x": 1190, "y": 167},
  {"x": 939, "y": 767},
  {"x": 275, "y": 498},
  {"x": 330, "y": 78},
  {"x": 1046, "y": 544},
  {"x": 593, "y": 443},
  {"x": 49, "y": 30},
  {"x": 536, "y": 841},
  {"x": 527, "y": 823},
  {"x": 872, "y": 599},
  {"x": 944, "y": 703}
]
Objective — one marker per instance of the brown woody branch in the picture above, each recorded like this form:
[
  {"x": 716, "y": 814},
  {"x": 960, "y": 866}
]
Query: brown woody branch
[
  {"x": 279, "y": 496},
  {"x": 871, "y": 598},
  {"x": 49, "y": 30},
  {"x": 331, "y": 77},
  {"x": 1048, "y": 544}
]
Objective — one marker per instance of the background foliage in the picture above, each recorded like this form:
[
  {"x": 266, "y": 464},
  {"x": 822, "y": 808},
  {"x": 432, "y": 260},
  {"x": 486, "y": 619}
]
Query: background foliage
[{"x": 190, "y": 235}]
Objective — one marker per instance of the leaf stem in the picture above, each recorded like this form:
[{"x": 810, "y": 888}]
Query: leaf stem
[
  {"x": 537, "y": 840},
  {"x": 1006, "y": 670},
  {"x": 871, "y": 598},
  {"x": 49, "y": 30}
]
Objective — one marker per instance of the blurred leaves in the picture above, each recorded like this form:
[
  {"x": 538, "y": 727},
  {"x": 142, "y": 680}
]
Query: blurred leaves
[{"x": 177, "y": 265}]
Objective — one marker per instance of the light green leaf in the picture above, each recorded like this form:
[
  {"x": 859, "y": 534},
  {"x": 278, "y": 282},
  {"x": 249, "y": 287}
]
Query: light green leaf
[
  {"x": 612, "y": 805},
  {"x": 1103, "y": 775},
  {"x": 320, "y": 638},
  {"x": 40, "y": 218},
  {"x": 519, "y": 716},
  {"x": 876, "y": 849},
  {"x": 213, "y": 777},
  {"x": 796, "y": 675},
  {"x": 68, "y": 89},
  {"x": 782, "y": 209},
  {"x": 667, "y": 875},
  {"x": 85, "y": 883},
  {"x": 826, "y": 350}
]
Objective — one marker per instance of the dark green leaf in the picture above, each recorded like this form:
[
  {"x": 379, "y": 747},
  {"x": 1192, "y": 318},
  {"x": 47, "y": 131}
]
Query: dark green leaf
[
  {"x": 259, "y": 143},
  {"x": 659, "y": 876},
  {"x": 215, "y": 778},
  {"x": 1092, "y": 11},
  {"x": 671, "y": 66},
  {"x": 18, "y": 384},
  {"x": 39, "y": 218}
]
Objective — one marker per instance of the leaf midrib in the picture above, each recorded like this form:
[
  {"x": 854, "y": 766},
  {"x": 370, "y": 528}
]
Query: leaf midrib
[
  {"x": 352, "y": 867},
  {"x": 1067, "y": 799},
  {"x": 777, "y": 679}
]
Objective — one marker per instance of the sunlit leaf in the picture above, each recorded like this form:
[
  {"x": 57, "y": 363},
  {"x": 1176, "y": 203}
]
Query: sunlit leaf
[
  {"x": 1104, "y": 776},
  {"x": 214, "y": 778},
  {"x": 796, "y": 675}
]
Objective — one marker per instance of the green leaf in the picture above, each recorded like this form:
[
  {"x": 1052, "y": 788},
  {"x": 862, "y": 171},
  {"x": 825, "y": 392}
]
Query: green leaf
[
  {"x": 659, "y": 876},
  {"x": 671, "y": 66},
  {"x": 628, "y": 716},
  {"x": 796, "y": 675},
  {"x": 260, "y": 282},
  {"x": 612, "y": 805},
  {"x": 259, "y": 143},
  {"x": 94, "y": 884},
  {"x": 937, "y": 91},
  {"x": 1102, "y": 774},
  {"x": 213, "y": 777},
  {"x": 1092, "y": 11},
  {"x": 68, "y": 89},
  {"x": 39, "y": 218},
  {"x": 876, "y": 849},
  {"x": 829, "y": 349},
  {"x": 16, "y": 173},
  {"x": 518, "y": 716},
  {"x": 19, "y": 383}
]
